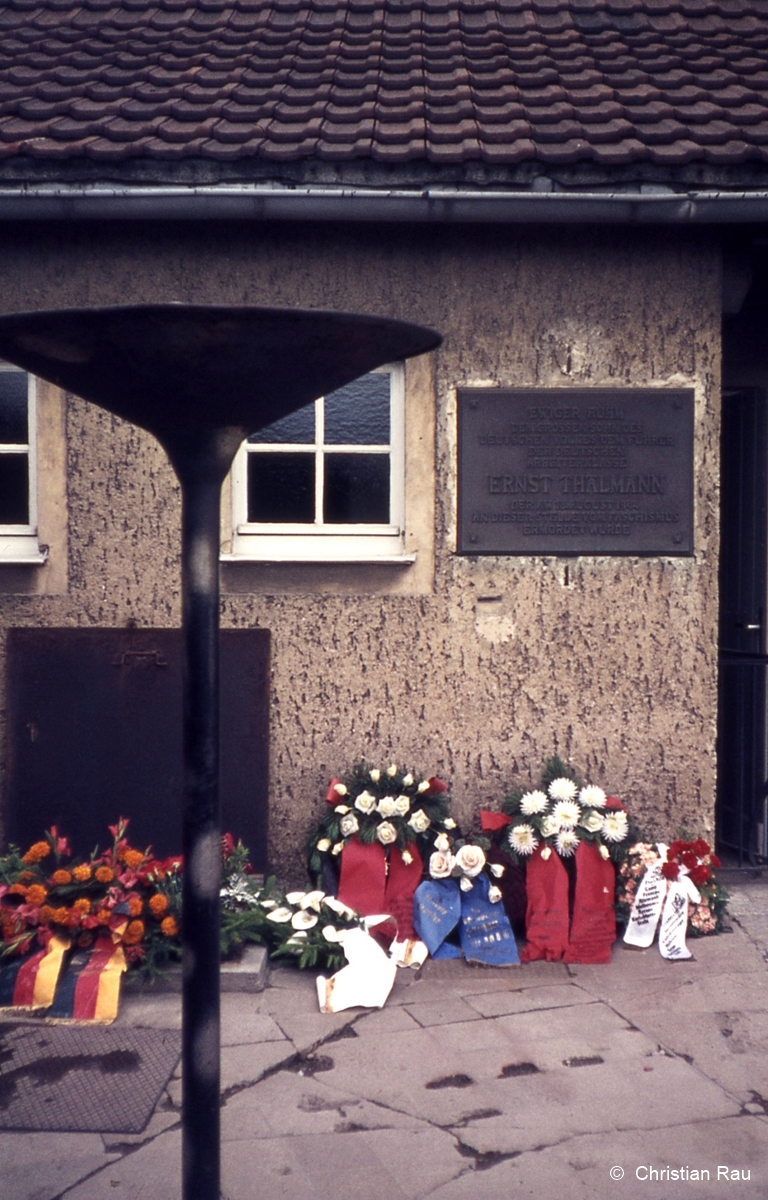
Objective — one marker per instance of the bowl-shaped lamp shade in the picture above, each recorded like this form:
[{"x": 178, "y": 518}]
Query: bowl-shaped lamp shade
[{"x": 182, "y": 371}]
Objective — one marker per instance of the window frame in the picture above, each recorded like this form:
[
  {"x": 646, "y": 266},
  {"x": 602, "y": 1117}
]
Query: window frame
[
  {"x": 19, "y": 542},
  {"x": 320, "y": 542}
]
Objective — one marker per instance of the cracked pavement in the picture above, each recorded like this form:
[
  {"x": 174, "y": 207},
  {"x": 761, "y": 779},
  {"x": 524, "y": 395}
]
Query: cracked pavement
[{"x": 470, "y": 1082}]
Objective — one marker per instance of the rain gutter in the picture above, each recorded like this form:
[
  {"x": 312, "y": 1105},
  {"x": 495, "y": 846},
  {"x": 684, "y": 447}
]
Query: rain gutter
[{"x": 432, "y": 205}]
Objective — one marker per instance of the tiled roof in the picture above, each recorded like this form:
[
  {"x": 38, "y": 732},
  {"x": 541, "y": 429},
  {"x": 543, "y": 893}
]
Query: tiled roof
[{"x": 504, "y": 82}]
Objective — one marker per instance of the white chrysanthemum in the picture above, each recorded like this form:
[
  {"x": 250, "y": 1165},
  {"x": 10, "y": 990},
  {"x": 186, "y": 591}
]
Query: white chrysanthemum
[
  {"x": 562, "y": 789},
  {"x": 280, "y": 915},
  {"x": 615, "y": 826},
  {"x": 567, "y": 813},
  {"x": 532, "y": 803},
  {"x": 592, "y": 821},
  {"x": 365, "y": 802},
  {"x": 592, "y": 796},
  {"x": 566, "y": 841},
  {"x": 303, "y": 919},
  {"x": 522, "y": 839}
]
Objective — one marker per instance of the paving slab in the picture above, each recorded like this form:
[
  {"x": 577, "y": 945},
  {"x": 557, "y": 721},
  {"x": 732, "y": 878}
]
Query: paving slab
[
  {"x": 581, "y": 1167},
  {"x": 39, "y": 1166}
]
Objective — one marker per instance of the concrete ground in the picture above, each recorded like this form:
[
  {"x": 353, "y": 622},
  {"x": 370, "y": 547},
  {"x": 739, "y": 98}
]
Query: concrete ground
[{"x": 545, "y": 1080}]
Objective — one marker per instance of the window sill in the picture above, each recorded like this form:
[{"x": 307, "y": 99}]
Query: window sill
[
  {"x": 387, "y": 560},
  {"x": 22, "y": 553}
]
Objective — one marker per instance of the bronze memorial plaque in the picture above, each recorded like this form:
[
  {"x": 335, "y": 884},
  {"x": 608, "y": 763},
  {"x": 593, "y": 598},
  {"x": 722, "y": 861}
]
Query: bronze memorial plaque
[{"x": 575, "y": 471}]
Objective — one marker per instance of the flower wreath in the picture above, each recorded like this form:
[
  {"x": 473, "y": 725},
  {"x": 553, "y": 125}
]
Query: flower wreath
[
  {"x": 464, "y": 859},
  {"x": 560, "y": 814},
  {"x": 393, "y": 807},
  {"x": 696, "y": 859}
]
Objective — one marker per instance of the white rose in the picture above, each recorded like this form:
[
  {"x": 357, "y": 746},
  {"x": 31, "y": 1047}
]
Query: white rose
[
  {"x": 494, "y": 894},
  {"x": 591, "y": 821},
  {"x": 407, "y": 780},
  {"x": 392, "y": 770},
  {"x": 419, "y": 821},
  {"x": 337, "y": 849},
  {"x": 497, "y": 869},
  {"x": 605, "y": 852},
  {"x": 550, "y": 826},
  {"x": 386, "y": 833},
  {"x": 402, "y": 805},
  {"x": 466, "y": 884},
  {"x": 340, "y": 789},
  {"x": 407, "y": 857},
  {"x": 349, "y": 824},
  {"x": 386, "y": 806},
  {"x": 546, "y": 852},
  {"x": 375, "y": 774},
  {"x": 443, "y": 842},
  {"x": 471, "y": 859},
  {"x": 323, "y": 845},
  {"x": 440, "y": 865},
  {"x": 365, "y": 802},
  {"x": 341, "y": 808},
  {"x": 423, "y": 786},
  {"x": 449, "y": 823}
]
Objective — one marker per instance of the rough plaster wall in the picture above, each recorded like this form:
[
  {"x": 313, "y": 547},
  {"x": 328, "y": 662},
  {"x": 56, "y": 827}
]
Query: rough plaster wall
[{"x": 610, "y": 662}]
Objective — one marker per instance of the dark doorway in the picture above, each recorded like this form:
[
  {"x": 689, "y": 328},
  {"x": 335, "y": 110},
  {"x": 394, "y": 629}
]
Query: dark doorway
[
  {"x": 742, "y": 741},
  {"x": 94, "y": 733}
]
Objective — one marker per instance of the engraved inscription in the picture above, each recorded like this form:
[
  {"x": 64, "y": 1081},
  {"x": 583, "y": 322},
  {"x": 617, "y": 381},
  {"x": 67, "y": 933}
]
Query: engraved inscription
[{"x": 586, "y": 475}]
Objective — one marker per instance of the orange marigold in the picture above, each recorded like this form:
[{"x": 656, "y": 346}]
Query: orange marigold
[
  {"x": 158, "y": 904},
  {"x": 61, "y": 877},
  {"x": 60, "y": 916},
  {"x": 134, "y": 906},
  {"x": 36, "y": 894},
  {"x": 103, "y": 916},
  {"x": 26, "y": 876},
  {"x": 82, "y": 905},
  {"x": 36, "y": 852},
  {"x": 81, "y": 873},
  {"x": 17, "y": 889},
  {"x": 169, "y": 926},
  {"x": 132, "y": 858},
  {"x": 105, "y": 874},
  {"x": 46, "y": 913},
  {"x": 133, "y": 933}
]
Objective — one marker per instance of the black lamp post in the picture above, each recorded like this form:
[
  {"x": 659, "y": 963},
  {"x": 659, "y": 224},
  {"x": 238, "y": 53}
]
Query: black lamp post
[{"x": 201, "y": 379}]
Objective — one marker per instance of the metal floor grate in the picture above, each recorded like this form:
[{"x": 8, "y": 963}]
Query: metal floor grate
[{"x": 83, "y": 1080}]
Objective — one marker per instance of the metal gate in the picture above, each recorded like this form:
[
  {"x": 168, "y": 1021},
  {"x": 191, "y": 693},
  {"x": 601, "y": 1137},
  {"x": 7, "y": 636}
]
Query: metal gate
[{"x": 742, "y": 735}]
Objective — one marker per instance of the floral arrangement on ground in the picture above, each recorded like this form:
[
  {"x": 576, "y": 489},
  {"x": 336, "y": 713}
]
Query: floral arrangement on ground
[
  {"x": 691, "y": 856},
  {"x": 137, "y": 899},
  {"x": 394, "y": 807},
  {"x": 562, "y": 812}
]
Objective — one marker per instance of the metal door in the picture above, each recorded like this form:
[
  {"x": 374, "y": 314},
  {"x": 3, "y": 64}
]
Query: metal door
[
  {"x": 94, "y": 733},
  {"x": 742, "y": 741}
]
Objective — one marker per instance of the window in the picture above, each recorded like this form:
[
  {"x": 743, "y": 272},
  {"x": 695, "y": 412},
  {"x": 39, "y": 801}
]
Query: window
[
  {"x": 18, "y": 505},
  {"x": 327, "y": 482}
]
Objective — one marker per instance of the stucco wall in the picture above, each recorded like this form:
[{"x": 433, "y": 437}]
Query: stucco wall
[{"x": 488, "y": 666}]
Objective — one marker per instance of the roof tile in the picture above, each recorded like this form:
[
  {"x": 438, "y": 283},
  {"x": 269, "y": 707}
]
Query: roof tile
[{"x": 442, "y": 81}]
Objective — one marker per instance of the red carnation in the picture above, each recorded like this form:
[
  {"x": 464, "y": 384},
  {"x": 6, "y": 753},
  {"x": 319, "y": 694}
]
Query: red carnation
[
  {"x": 701, "y": 847},
  {"x": 689, "y": 859},
  {"x": 715, "y": 861},
  {"x": 670, "y": 870},
  {"x": 700, "y": 875},
  {"x": 676, "y": 849}
]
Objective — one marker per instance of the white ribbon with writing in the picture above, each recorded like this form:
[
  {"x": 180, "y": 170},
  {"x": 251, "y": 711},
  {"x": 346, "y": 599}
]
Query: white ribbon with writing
[
  {"x": 674, "y": 919},
  {"x": 648, "y": 904}
]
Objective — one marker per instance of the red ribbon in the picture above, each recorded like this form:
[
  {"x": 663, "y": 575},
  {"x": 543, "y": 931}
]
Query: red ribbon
[
  {"x": 491, "y": 821},
  {"x": 593, "y": 924},
  {"x": 546, "y": 922}
]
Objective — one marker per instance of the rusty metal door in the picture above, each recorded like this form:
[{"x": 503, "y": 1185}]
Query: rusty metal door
[{"x": 94, "y": 733}]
